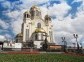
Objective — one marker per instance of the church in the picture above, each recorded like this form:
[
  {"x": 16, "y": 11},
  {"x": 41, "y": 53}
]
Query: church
[{"x": 34, "y": 29}]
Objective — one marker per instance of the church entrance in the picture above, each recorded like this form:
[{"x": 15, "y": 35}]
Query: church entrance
[{"x": 39, "y": 38}]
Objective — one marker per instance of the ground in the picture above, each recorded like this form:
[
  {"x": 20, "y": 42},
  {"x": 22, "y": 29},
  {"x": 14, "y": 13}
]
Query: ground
[{"x": 45, "y": 57}]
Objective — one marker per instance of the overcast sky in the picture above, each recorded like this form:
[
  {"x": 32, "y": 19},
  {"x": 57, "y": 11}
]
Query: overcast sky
[{"x": 67, "y": 17}]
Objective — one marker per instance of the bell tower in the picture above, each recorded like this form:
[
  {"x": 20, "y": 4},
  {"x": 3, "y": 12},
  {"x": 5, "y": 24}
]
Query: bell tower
[
  {"x": 35, "y": 12},
  {"x": 49, "y": 26},
  {"x": 26, "y": 17},
  {"x": 26, "y": 26}
]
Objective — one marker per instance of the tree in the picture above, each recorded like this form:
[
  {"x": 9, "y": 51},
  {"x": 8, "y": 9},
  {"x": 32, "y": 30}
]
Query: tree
[{"x": 45, "y": 45}]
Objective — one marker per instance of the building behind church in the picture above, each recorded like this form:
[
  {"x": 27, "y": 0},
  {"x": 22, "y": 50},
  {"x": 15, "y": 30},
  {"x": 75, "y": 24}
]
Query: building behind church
[{"x": 35, "y": 29}]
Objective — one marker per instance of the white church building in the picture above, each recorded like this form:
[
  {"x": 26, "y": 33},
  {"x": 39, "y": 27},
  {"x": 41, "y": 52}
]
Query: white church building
[{"x": 35, "y": 29}]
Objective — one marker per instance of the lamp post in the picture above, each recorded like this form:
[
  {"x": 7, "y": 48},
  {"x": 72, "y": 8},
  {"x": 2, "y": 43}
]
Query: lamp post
[
  {"x": 81, "y": 48},
  {"x": 65, "y": 43},
  {"x": 76, "y": 36}
]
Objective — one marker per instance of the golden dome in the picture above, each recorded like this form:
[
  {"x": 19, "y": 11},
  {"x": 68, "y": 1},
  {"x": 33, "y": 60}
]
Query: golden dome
[
  {"x": 26, "y": 12},
  {"x": 35, "y": 8},
  {"x": 39, "y": 30},
  {"x": 20, "y": 34},
  {"x": 47, "y": 17}
]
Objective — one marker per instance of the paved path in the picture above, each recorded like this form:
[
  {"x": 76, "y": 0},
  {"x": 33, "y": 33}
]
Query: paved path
[{"x": 26, "y": 52}]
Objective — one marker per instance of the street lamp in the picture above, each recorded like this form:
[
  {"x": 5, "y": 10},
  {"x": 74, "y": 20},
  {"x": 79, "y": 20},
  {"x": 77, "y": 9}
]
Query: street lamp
[
  {"x": 65, "y": 43},
  {"x": 81, "y": 47},
  {"x": 76, "y": 36}
]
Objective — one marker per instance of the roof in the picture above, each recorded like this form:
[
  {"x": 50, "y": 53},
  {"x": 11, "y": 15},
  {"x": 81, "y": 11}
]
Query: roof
[
  {"x": 20, "y": 34},
  {"x": 39, "y": 30},
  {"x": 35, "y": 8},
  {"x": 26, "y": 12},
  {"x": 47, "y": 17}
]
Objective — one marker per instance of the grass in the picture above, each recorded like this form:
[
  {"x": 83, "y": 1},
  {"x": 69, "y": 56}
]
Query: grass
[{"x": 40, "y": 58}]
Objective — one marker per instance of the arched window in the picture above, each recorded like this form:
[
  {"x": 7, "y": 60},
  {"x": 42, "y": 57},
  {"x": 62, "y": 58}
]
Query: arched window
[
  {"x": 36, "y": 36},
  {"x": 28, "y": 15},
  {"x": 24, "y": 15},
  {"x": 39, "y": 25}
]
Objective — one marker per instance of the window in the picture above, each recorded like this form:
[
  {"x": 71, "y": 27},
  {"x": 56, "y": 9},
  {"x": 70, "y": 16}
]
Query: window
[
  {"x": 39, "y": 36},
  {"x": 24, "y": 15},
  {"x": 27, "y": 25},
  {"x": 27, "y": 34},
  {"x": 39, "y": 25},
  {"x": 36, "y": 36},
  {"x": 28, "y": 15}
]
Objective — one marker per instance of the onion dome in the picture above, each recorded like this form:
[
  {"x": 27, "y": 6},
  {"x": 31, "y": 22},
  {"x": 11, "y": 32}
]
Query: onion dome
[
  {"x": 35, "y": 12},
  {"x": 47, "y": 17},
  {"x": 19, "y": 35},
  {"x": 26, "y": 14}
]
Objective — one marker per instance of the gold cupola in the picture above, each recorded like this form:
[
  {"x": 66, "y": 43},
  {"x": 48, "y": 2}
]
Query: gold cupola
[
  {"x": 39, "y": 30},
  {"x": 35, "y": 12}
]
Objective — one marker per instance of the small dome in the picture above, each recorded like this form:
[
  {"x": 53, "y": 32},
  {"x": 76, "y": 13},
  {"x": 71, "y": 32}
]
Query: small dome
[
  {"x": 20, "y": 34},
  {"x": 39, "y": 30},
  {"x": 26, "y": 14},
  {"x": 35, "y": 11},
  {"x": 47, "y": 17},
  {"x": 35, "y": 8}
]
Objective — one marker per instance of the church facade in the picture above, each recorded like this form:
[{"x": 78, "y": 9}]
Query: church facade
[{"x": 35, "y": 29}]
